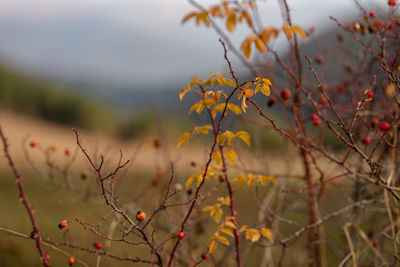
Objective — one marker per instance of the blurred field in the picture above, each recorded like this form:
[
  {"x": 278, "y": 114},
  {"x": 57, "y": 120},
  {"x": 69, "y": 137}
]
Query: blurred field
[{"x": 55, "y": 201}]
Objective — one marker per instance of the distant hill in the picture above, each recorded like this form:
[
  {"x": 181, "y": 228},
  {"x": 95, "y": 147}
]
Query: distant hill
[{"x": 51, "y": 101}]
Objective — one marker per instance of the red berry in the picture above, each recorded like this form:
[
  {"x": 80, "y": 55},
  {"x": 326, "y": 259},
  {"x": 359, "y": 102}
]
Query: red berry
[
  {"x": 46, "y": 257},
  {"x": 366, "y": 140},
  {"x": 341, "y": 88},
  {"x": 317, "y": 122},
  {"x": 390, "y": 26},
  {"x": 398, "y": 22},
  {"x": 33, "y": 144},
  {"x": 204, "y": 256},
  {"x": 97, "y": 245},
  {"x": 392, "y": 2},
  {"x": 380, "y": 23},
  {"x": 319, "y": 59},
  {"x": 63, "y": 224},
  {"x": 67, "y": 152},
  {"x": 314, "y": 117},
  {"x": 384, "y": 126},
  {"x": 323, "y": 100},
  {"x": 372, "y": 14},
  {"x": 71, "y": 260},
  {"x": 370, "y": 95},
  {"x": 374, "y": 122},
  {"x": 181, "y": 235},
  {"x": 285, "y": 94}
]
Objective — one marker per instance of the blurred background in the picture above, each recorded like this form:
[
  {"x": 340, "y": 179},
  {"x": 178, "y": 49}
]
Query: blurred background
[
  {"x": 113, "y": 70},
  {"x": 64, "y": 61}
]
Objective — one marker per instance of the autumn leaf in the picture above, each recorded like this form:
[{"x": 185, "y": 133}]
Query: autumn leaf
[
  {"x": 244, "y": 106},
  {"x": 230, "y": 82},
  {"x": 234, "y": 108},
  {"x": 299, "y": 31},
  {"x": 183, "y": 140},
  {"x": 246, "y": 16},
  {"x": 267, "y": 234},
  {"x": 245, "y": 137},
  {"x": 189, "y": 16},
  {"x": 288, "y": 31},
  {"x": 250, "y": 179},
  {"x": 215, "y": 212},
  {"x": 223, "y": 240},
  {"x": 227, "y": 231},
  {"x": 231, "y": 21},
  {"x": 240, "y": 180},
  {"x": 243, "y": 228},
  {"x": 230, "y": 224},
  {"x": 246, "y": 48},
  {"x": 203, "y": 129},
  {"x": 213, "y": 246},
  {"x": 259, "y": 45},
  {"x": 263, "y": 179},
  {"x": 253, "y": 235},
  {"x": 230, "y": 156}
]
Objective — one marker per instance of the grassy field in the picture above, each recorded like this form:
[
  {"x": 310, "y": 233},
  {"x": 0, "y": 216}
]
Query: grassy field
[{"x": 54, "y": 201}]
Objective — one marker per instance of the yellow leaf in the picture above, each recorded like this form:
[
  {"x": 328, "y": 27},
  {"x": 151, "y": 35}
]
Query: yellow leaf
[
  {"x": 244, "y": 136},
  {"x": 299, "y": 31},
  {"x": 266, "y": 34},
  {"x": 207, "y": 82},
  {"x": 244, "y": 106},
  {"x": 250, "y": 179},
  {"x": 203, "y": 129},
  {"x": 216, "y": 213},
  {"x": 227, "y": 231},
  {"x": 217, "y": 157},
  {"x": 226, "y": 136},
  {"x": 231, "y": 21},
  {"x": 199, "y": 179},
  {"x": 240, "y": 180},
  {"x": 253, "y": 235},
  {"x": 215, "y": 11},
  {"x": 189, "y": 182},
  {"x": 224, "y": 200},
  {"x": 263, "y": 179},
  {"x": 267, "y": 234},
  {"x": 234, "y": 108},
  {"x": 258, "y": 88},
  {"x": 183, "y": 139},
  {"x": 223, "y": 240},
  {"x": 184, "y": 91},
  {"x": 213, "y": 246},
  {"x": 209, "y": 102},
  {"x": 203, "y": 16},
  {"x": 260, "y": 45},
  {"x": 197, "y": 106},
  {"x": 246, "y": 16},
  {"x": 230, "y": 224},
  {"x": 208, "y": 208},
  {"x": 249, "y": 92},
  {"x": 230, "y": 82},
  {"x": 243, "y": 228},
  {"x": 189, "y": 16},
  {"x": 265, "y": 87},
  {"x": 246, "y": 48},
  {"x": 288, "y": 31},
  {"x": 231, "y": 156},
  {"x": 246, "y": 85}
]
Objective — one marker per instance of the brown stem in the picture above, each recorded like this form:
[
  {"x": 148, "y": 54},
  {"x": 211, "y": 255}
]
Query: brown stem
[{"x": 23, "y": 198}]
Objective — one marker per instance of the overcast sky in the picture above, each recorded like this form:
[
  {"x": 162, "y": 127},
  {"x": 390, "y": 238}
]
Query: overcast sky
[{"x": 133, "y": 43}]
